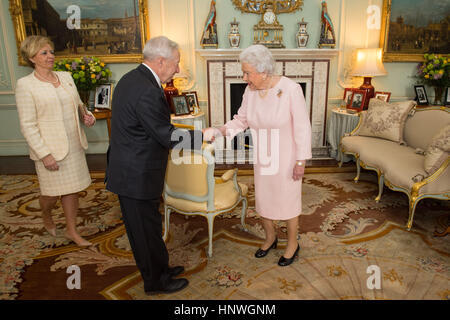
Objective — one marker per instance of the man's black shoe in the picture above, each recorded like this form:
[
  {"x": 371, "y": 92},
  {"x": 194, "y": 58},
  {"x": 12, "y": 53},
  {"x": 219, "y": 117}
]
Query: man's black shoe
[
  {"x": 173, "y": 285},
  {"x": 175, "y": 271}
]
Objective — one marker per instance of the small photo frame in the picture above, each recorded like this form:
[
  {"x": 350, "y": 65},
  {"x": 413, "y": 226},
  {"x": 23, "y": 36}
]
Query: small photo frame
[
  {"x": 192, "y": 100},
  {"x": 180, "y": 105},
  {"x": 358, "y": 100},
  {"x": 382, "y": 95},
  {"x": 103, "y": 96},
  {"x": 421, "y": 95},
  {"x": 447, "y": 97},
  {"x": 348, "y": 95}
]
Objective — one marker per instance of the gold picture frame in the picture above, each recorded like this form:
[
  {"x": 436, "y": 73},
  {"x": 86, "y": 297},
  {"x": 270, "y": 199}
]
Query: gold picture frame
[
  {"x": 111, "y": 39},
  {"x": 391, "y": 55}
]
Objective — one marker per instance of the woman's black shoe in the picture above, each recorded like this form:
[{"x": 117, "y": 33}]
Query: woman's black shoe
[
  {"x": 287, "y": 261},
  {"x": 262, "y": 253}
]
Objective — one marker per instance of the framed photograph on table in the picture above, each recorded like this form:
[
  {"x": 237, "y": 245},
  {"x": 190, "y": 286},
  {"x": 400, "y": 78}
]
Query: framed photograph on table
[
  {"x": 180, "y": 105},
  {"x": 358, "y": 100},
  {"x": 348, "y": 95},
  {"x": 382, "y": 95},
  {"x": 447, "y": 97},
  {"x": 421, "y": 95},
  {"x": 192, "y": 100},
  {"x": 103, "y": 96}
]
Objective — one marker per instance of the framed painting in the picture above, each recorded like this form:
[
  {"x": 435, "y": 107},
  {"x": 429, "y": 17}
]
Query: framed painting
[
  {"x": 411, "y": 28},
  {"x": 114, "y": 32}
]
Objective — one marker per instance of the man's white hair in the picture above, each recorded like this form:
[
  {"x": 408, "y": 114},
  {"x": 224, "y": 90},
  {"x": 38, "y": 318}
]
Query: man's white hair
[
  {"x": 159, "y": 47},
  {"x": 259, "y": 57}
]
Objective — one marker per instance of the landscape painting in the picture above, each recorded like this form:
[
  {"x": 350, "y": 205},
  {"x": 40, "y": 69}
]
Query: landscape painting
[
  {"x": 411, "y": 28},
  {"x": 112, "y": 30}
]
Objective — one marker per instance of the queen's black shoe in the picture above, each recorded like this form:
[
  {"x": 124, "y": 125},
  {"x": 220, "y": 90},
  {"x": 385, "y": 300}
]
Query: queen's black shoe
[
  {"x": 287, "y": 261},
  {"x": 262, "y": 253}
]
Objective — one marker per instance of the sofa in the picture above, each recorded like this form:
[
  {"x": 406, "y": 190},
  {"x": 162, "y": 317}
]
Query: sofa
[{"x": 408, "y": 146}]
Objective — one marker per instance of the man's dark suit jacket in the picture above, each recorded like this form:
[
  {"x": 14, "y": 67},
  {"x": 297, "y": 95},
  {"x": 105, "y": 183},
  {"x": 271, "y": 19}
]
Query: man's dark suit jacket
[{"x": 140, "y": 137}]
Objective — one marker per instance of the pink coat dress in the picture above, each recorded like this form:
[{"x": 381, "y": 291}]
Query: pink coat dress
[{"x": 281, "y": 134}]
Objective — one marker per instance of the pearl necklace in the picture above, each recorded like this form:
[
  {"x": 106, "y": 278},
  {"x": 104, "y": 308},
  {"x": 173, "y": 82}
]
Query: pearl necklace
[
  {"x": 263, "y": 92},
  {"x": 46, "y": 80}
]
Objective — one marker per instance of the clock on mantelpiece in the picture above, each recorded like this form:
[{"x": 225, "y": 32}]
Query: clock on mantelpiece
[{"x": 268, "y": 31}]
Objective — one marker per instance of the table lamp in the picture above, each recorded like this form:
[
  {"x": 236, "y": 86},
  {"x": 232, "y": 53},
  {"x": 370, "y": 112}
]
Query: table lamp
[{"x": 369, "y": 64}]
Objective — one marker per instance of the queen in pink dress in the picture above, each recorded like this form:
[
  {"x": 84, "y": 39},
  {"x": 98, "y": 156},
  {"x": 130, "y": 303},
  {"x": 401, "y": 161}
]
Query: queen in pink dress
[{"x": 274, "y": 109}]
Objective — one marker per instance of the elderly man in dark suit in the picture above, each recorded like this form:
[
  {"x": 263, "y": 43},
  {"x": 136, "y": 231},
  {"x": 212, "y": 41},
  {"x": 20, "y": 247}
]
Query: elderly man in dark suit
[{"x": 141, "y": 136}]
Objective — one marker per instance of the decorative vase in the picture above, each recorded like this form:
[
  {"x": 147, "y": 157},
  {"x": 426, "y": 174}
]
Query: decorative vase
[
  {"x": 234, "y": 36},
  {"x": 438, "y": 95},
  {"x": 169, "y": 91},
  {"x": 85, "y": 96},
  {"x": 302, "y": 35}
]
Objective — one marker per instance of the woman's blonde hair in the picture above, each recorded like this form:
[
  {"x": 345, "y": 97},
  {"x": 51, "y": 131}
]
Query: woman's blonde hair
[{"x": 31, "y": 46}]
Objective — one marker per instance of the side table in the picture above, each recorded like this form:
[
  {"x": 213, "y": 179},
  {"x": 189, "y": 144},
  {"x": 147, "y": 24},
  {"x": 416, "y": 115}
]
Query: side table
[
  {"x": 197, "y": 121},
  {"x": 103, "y": 114},
  {"x": 340, "y": 123}
]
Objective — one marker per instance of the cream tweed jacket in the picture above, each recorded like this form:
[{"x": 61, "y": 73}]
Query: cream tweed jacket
[{"x": 41, "y": 116}]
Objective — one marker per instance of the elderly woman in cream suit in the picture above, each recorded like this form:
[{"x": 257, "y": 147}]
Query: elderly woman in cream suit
[{"x": 48, "y": 106}]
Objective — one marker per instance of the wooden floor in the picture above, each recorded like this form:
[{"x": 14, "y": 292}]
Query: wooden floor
[{"x": 97, "y": 163}]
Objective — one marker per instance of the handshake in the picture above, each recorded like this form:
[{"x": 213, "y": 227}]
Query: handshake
[{"x": 210, "y": 134}]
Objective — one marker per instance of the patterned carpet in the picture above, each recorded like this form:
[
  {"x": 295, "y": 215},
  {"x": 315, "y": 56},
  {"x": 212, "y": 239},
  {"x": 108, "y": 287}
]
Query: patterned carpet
[{"x": 343, "y": 231}]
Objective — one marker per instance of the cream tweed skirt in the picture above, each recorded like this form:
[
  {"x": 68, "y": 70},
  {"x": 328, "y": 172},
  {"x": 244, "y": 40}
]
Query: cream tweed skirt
[{"x": 73, "y": 174}]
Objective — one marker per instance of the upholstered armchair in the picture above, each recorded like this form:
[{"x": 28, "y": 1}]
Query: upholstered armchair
[{"x": 191, "y": 189}]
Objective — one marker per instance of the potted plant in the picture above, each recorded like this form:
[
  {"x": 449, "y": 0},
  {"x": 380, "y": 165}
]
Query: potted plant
[
  {"x": 87, "y": 73},
  {"x": 435, "y": 72}
]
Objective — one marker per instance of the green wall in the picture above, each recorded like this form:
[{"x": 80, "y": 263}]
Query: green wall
[{"x": 183, "y": 21}]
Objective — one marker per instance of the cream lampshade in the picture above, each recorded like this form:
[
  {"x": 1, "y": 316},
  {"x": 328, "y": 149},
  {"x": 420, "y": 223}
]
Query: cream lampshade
[{"x": 369, "y": 63}]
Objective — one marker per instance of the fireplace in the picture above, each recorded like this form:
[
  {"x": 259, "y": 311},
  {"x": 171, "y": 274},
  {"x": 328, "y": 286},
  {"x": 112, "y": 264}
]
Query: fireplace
[{"x": 308, "y": 67}]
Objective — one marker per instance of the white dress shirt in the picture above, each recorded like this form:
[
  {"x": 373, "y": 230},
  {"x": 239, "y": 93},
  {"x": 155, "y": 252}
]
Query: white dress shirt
[{"x": 154, "y": 74}]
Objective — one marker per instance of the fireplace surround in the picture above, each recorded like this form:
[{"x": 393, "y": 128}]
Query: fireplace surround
[{"x": 308, "y": 67}]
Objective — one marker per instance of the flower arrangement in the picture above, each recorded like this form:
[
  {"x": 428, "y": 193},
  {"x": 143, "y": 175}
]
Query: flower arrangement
[
  {"x": 87, "y": 72},
  {"x": 435, "y": 70}
]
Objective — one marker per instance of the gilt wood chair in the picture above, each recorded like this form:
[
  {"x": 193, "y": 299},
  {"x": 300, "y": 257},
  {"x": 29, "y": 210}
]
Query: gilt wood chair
[{"x": 191, "y": 189}]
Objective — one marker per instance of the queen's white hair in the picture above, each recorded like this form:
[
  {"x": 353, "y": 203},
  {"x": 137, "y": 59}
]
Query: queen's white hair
[
  {"x": 159, "y": 47},
  {"x": 259, "y": 57}
]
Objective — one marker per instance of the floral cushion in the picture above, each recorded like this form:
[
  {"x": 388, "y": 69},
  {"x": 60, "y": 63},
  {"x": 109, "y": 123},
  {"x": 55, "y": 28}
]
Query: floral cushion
[
  {"x": 438, "y": 150},
  {"x": 385, "y": 120}
]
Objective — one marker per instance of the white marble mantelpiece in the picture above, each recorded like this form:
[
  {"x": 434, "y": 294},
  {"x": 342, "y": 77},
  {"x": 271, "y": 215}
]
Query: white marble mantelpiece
[
  {"x": 309, "y": 66},
  {"x": 291, "y": 54}
]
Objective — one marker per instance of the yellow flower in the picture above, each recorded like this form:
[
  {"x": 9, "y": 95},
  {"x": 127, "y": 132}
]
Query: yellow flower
[
  {"x": 67, "y": 66},
  {"x": 83, "y": 67},
  {"x": 427, "y": 76},
  {"x": 102, "y": 64},
  {"x": 92, "y": 76}
]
